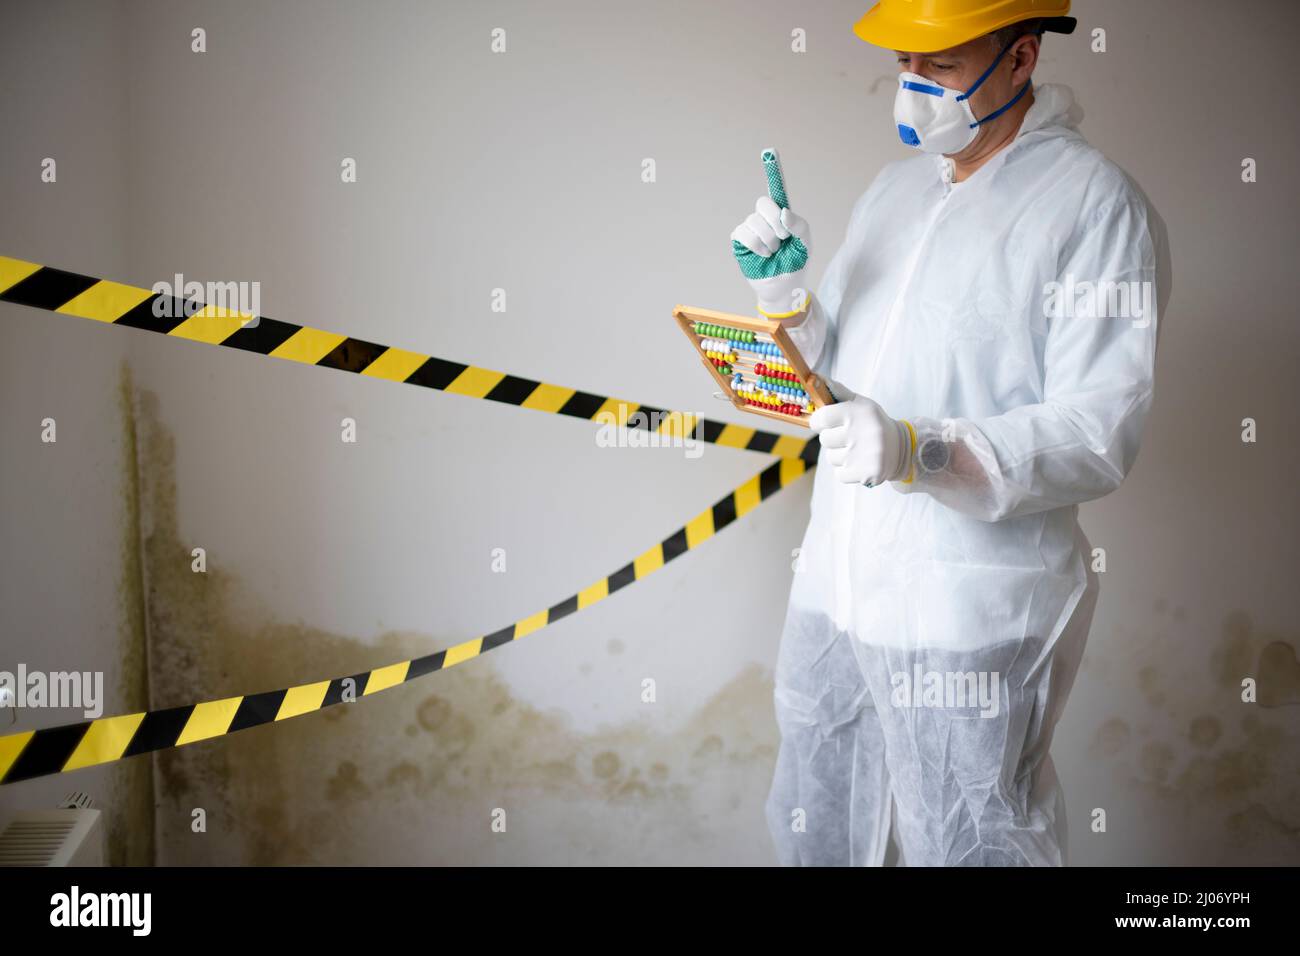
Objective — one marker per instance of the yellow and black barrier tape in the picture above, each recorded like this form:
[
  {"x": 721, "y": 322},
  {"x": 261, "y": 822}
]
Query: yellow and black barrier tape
[
  {"x": 37, "y": 753},
  {"x": 68, "y": 293}
]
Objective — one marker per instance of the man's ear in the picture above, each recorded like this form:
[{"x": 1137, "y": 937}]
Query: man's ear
[{"x": 1024, "y": 57}]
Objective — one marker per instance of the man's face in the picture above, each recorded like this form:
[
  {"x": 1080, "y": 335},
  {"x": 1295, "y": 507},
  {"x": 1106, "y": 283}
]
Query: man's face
[{"x": 959, "y": 67}]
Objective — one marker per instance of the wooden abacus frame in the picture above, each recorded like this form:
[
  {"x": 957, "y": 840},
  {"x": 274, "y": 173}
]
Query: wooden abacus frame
[{"x": 687, "y": 316}]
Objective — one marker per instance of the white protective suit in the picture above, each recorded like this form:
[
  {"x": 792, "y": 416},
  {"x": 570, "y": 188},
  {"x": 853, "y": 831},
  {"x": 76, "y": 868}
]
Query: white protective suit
[{"x": 934, "y": 308}]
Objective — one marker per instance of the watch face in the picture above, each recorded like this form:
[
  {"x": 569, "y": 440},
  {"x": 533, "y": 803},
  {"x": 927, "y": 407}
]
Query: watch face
[{"x": 934, "y": 454}]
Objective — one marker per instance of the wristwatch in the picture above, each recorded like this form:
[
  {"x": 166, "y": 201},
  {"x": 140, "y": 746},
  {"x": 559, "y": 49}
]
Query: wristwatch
[{"x": 933, "y": 455}]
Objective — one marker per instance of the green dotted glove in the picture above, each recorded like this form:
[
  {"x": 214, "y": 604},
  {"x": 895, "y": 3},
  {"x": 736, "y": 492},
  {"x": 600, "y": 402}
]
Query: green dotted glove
[{"x": 772, "y": 246}]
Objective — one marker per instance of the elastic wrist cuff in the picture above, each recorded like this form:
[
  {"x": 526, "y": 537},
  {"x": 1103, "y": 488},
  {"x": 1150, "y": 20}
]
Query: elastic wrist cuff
[
  {"x": 786, "y": 315},
  {"x": 911, "y": 455}
]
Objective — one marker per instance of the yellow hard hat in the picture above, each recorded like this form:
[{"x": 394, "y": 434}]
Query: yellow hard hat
[{"x": 924, "y": 26}]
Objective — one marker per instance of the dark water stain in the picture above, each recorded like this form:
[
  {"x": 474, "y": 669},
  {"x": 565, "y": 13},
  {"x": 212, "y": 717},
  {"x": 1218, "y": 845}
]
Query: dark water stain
[
  {"x": 1111, "y": 738},
  {"x": 404, "y": 773},
  {"x": 130, "y": 815},
  {"x": 1233, "y": 656},
  {"x": 606, "y": 764},
  {"x": 1156, "y": 760},
  {"x": 1243, "y": 652},
  {"x": 1236, "y": 767},
  {"x": 346, "y": 785},
  {"x": 1205, "y": 731},
  {"x": 1149, "y": 684},
  {"x": 1256, "y": 824},
  {"x": 414, "y": 773},
  {"x": 1279, "y": 675}
]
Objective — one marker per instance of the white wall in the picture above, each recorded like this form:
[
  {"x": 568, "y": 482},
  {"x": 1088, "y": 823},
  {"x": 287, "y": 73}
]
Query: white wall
[
  {"x": 69, "y": 595},
  {"x": 522, "y": 171}
]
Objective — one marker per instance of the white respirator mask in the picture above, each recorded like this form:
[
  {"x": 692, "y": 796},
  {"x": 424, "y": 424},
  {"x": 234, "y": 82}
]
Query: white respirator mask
[{"x": 936, "y": 119}]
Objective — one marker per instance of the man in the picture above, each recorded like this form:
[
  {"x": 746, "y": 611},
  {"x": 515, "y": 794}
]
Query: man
[{"x": 990, "y": 326}]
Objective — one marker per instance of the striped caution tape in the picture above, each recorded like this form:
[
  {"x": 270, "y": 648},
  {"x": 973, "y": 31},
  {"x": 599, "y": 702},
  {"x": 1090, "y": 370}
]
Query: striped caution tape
[
  {"x": 26, "y": 283},
  {"x": 37, "y": 753}
]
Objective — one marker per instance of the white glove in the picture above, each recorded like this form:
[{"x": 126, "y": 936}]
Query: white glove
[
  {"x": 862, "y": 443},
  {"x": 762, "y": 233}
]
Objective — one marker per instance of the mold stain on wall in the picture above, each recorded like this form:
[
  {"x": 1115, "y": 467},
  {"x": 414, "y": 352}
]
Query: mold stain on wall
[
  {"x": 1226, "y": 770},
  {"x": 130, "y": 824},
  {"x": 416, "y": 773}
]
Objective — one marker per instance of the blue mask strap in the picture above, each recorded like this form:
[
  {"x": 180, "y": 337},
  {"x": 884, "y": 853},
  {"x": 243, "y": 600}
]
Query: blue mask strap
[
  {"x": 998, "y": 112},
  {"x": 985, "y": 75}
]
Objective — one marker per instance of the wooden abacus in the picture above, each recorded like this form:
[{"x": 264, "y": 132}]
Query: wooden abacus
[{"x": 759, "y": 368}]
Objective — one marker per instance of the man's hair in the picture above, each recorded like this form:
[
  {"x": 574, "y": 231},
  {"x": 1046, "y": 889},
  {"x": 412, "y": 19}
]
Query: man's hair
[{"x": 1010, "y": 34}]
